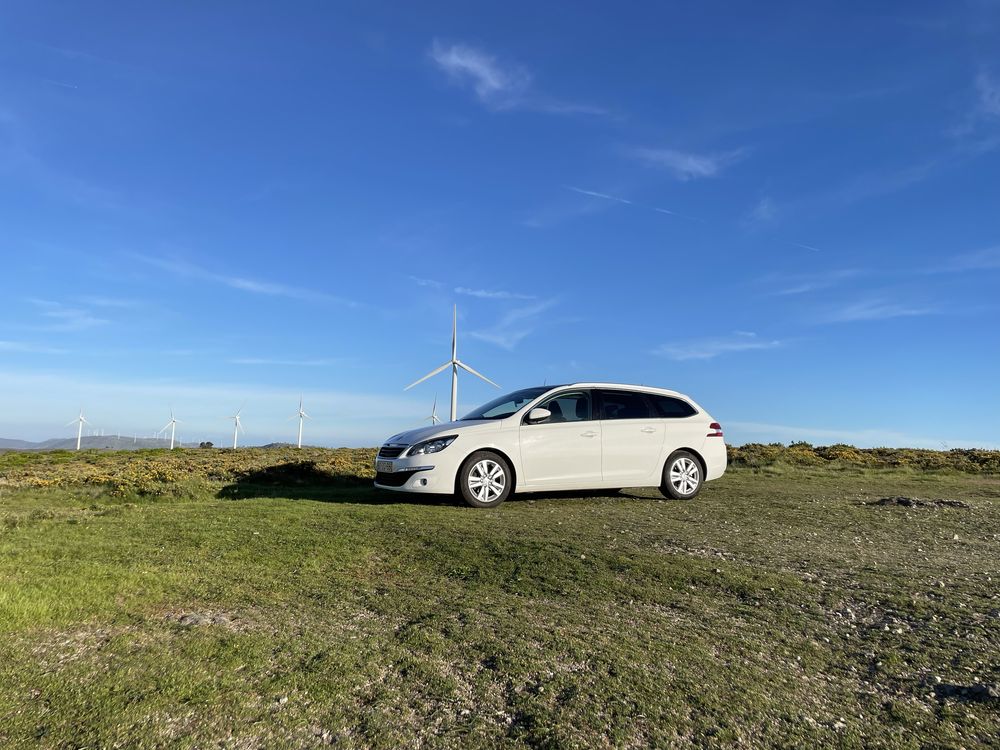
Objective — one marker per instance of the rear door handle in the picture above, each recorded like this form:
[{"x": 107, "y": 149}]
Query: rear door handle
[
  {"x": 588, "y": 434},
  {"x": 648, "y": 429}
]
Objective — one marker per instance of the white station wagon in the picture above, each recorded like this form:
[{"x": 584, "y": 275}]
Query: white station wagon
[{"x": 583, "y": 436}]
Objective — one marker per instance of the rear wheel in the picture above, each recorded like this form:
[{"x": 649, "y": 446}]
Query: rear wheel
[
  {"x": 682, "y": 476},
  {"x": 485, "y": 480}
]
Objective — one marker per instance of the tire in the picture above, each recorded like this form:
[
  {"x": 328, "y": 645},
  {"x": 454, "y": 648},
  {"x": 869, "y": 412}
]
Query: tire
[
  {"x": 499, "y": 480},
  {"x": 682, "y": 476}
]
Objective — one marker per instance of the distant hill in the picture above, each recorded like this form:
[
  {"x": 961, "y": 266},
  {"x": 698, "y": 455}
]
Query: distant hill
[
  {"x": 15, "y": 445},
  {"x": 90, "y": 442}
]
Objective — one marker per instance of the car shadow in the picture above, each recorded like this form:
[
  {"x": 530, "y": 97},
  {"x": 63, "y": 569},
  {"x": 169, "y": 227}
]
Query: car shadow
[
  {"x": 637, "y": 493},
  {"x": 304, "y": 480}
]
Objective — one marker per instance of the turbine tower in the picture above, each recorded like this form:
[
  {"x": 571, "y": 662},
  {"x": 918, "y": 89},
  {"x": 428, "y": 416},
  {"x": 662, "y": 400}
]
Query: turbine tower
[
  {"x": 301, "y": 415},
  {"x": 172, "y": 424},
  {"x": 79, "y": 422},
  {"x": 454, "y": 363},
  {"x": 434, "y": 412},
  {"x": 237, "y": 426}
]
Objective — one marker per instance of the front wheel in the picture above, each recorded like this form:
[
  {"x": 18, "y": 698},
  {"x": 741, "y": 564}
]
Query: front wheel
[
  {"x": 682, "y": 476},
  {"x": 485, "y": 480}
]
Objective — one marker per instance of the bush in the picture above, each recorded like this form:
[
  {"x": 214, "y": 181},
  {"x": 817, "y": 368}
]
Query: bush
[{"x": 969, "y": 460}]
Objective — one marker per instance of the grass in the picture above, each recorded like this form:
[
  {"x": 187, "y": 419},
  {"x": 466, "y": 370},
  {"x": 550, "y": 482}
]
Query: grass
[{"x": 274, "y": 599}]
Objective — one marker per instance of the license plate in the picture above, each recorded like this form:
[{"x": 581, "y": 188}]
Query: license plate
[{"x": 384, "y": 466}]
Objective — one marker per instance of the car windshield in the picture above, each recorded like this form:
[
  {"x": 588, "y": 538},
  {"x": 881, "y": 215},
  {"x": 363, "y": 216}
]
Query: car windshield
[{"x": 504, "y": 406}]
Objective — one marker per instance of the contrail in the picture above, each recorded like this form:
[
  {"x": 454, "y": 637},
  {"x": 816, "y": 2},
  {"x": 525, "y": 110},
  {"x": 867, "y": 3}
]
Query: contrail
[{"x": 597, "y": 195}]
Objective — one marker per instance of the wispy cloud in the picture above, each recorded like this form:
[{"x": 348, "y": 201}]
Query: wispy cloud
[
  {"x": 762, "y": 212},
  {"x": 18, "y": 156},
  {"x": 980, "y": 260},
  {"x": 875, "y": 309},
  {"x": 500, "y": 85},
  {"x": 29, "y": 348},
  {"x": 254, "y": 286},
  {"x": 286, "y": 362},
  {"x": 805, "y": 283},
  {"x": 62, "y": 317},
  {"x": 988, "y": 89},
  {"x": 515, "y": 325},
  {"x": 426, "y": 282},
  {"x": 878, "y": 183},
  {"x": 686, "y": 165},
  {"x": 491, "y": 293},
  {"x": 98, "y": 301},
  {"x": 709, "y": 348},
  {"x": 495, "y": 84}
]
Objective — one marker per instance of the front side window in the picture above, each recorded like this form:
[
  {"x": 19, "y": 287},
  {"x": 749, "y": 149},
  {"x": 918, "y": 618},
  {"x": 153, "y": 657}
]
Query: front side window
[
  {"x": 573, "y": 406},
  {"x": 624, "y": 405},
  {"x": 502, "y": 407}
]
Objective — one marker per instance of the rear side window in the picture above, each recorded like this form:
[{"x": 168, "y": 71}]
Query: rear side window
[
  {"x": 672, "y": 408},
  {"x": 624, "y": 405}
]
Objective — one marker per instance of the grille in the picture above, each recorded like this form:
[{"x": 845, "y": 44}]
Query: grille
[
  {"x": 396, "y": 479},
  {"x": 391, "y": 451}
]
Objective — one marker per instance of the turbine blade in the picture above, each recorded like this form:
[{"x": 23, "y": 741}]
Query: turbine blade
[
  {"x": 431, "y": 374},
  {"x": 477, "y": 374},
  {"x": 73, "y": 422},
  {"x": 165, "y": 427}
]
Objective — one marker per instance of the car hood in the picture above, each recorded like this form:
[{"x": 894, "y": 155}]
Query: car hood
[{"x": 462, "y": 427}]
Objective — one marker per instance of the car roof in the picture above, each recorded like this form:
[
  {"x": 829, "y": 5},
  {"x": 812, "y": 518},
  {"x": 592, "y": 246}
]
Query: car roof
[{"x": 622, "y": 386}]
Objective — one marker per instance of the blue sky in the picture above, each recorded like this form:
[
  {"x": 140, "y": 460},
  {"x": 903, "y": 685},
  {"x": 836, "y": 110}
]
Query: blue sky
[{"x": 789, "y": 211}]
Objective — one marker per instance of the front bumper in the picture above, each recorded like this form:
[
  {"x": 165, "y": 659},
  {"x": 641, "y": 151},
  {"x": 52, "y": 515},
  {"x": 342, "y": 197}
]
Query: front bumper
[{"x": 411, "y": 474}]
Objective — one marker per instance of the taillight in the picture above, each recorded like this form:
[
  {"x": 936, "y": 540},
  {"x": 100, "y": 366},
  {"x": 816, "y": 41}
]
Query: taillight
[{"x": 716, "y": 430}]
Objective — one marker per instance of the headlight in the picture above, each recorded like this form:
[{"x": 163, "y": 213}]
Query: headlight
[{"x": 431, "y": 446}]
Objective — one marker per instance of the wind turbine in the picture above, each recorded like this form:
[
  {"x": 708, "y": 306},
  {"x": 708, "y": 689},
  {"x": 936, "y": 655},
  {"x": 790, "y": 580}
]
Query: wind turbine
[
  {"x": 172, "y": 424},
  {"x": 301, "y": 415},
  {"x": 236, "y": 425},
  {"x": 454, "y": 363},
  {"x": 79, "y": 422},
  {"x": 434, "y": 412}
]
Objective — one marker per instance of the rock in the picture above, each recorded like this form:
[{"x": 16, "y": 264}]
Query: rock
[
  {"x": 199, "y": 619},
  {"x": 193, "y": 619}
]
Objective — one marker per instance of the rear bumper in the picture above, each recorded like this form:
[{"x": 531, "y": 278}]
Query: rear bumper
[{"x": 716, "y": 458}]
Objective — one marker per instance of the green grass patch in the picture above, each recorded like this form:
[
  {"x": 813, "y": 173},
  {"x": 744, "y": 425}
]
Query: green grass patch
[{"x": 274, "y": 599}]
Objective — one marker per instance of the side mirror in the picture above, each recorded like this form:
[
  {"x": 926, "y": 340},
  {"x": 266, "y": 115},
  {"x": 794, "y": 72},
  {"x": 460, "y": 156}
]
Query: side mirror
[{"x": 538, "y": 414}]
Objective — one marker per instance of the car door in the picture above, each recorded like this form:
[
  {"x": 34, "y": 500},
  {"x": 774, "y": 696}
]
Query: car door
[
  {"x": 631, "y": 438},
  {"x": 564, "y": 451}
]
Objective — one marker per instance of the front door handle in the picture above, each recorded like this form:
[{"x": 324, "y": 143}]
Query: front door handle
[
  {"x": 648, "y": 429},
  {"x": 591, "y": 433}
]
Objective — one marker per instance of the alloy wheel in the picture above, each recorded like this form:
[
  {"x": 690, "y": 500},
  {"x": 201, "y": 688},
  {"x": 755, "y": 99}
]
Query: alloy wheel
[
  {"x": 684, "y": 475},
  {"x": 487, "y": 480}
]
